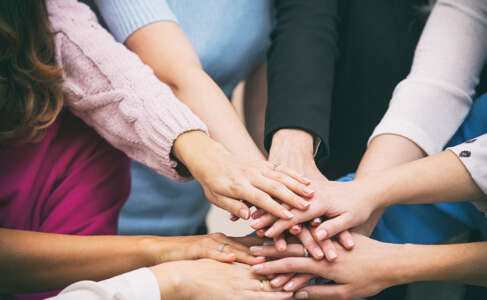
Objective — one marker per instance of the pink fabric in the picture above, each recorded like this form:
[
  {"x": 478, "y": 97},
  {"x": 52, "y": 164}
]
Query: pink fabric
[
  {"x": 72, "y": 182},
  {"x": 113, "y": 91}
]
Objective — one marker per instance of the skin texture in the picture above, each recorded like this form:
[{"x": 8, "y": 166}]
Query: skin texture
[
  {"x": 437, "y": 178},
  {"x": 373, "y": 266},
  {"x": 175, "y": 62},
  {"x": 187, "y": 279},
  {"x": 294, "y": 148},
  {"x": 58, "y": 260}
]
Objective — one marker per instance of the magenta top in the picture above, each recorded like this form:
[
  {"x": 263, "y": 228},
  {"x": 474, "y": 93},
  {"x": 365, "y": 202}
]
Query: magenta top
[{"x": 72, "y": 182}]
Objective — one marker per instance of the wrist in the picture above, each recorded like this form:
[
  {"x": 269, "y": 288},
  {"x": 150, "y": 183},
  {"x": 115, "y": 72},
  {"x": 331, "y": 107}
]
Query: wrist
[
  {"x": 196, "y": 151},
  {"x": 292, "y": 148},
  {"x": 167, "y": 279}
]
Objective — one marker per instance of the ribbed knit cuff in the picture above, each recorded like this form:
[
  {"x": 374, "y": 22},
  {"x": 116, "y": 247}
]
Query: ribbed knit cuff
[{"x": 124, "y": 17}]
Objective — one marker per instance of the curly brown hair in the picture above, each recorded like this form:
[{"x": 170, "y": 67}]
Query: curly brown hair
[{"x": 30, "y": 93}]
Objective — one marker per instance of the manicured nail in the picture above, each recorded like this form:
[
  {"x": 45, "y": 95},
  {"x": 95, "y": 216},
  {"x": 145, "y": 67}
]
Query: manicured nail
[
  {"x": 244, "y": 214},
  {"x": 349, "y": 242},
  {"x": 295, "y": 229},
  {"x": 268, "y": 243},
  {"x": 288, "y": 214},
  {"x": 305, "y": 180},
  {"x": 260, "y": 258},
  {"x": 308, "y": 191},
  {"x": 281, "y": 247},
  {"x": 289, "y": 286},
  {"x": 230, "y": 255},
  {"x": 321, "y": 234},
  {"x": 256, "y": 250},
  {"x": 302, "y": 295},
  {"x": 331, "y": 254},
  {"x": 315, "y": 222},
  {"x": 269, "y": 232},
  {"x": 305, "y": 203},
  {"x": 276, "y": 282},
  {"x": 318, "y": 253},
  {"x": 257, "y": 267}
]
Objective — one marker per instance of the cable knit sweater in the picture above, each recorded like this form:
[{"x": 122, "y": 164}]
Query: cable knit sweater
[{"x": 109, "y": 88}]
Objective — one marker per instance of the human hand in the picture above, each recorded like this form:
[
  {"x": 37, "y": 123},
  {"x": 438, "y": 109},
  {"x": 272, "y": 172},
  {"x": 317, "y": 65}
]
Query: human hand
[
  {"x": 227, "y": 179},
  {"x": 215, "y": 246},
  {"x": 343, "y": 204},
  {"x": 208, "y": 279},
  {"x": 368, "y": 269}
]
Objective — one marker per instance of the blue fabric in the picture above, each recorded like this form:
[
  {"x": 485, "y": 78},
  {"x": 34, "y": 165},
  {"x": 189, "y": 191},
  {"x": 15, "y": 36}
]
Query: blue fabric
[
  {"x": 231, "y": 38},
  {"x": 436, "y": 223},
  {"x": 123, "y": 17}
]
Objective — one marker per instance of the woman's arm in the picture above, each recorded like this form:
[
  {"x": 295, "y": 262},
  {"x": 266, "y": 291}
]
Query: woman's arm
[
  {"x": 378, "y": 265},
  {"x": 438, "y": 178},
  {"x": 447, "y": 63},
  {"x": 112, "y": 90},
  {"x": 175, "y": 63},
  {"x": 52, "y": 261}
]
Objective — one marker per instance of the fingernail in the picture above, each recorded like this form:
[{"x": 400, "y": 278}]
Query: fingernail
[
  {"x": 257, "y": 267},
  {"x": 268, "y": 243},
  {"x": 276, "y": 281},
  {"x": 244, "y": 214},
  {"x": 254, "y": 223},
  {"x": 316, "y": 221},
  {"x": 321, "y": 234},
  {"x": 281, "y": 247},
  {"x": 306, "y": 180},
  {"x": 269, "y": 232},
  {"x": 302, "y": 295},
  {"x": 305, "y": 203},
  {"x": 289, "y": 286},
  {"x": 318, "y": 253},
  {"x": 230, "y": 255},
  {"x": 331, "y": 254},
  {"x": 308, "y": 191},
  {"x": 349, "y": 242},
  {"x": 287, "y": 213},
  {"x": 255, "y": 250},
  {"x": 260, "y": 258}
]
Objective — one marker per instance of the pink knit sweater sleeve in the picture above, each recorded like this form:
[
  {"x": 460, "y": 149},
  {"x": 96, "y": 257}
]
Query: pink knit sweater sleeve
[{"x": 110, "y": 88}]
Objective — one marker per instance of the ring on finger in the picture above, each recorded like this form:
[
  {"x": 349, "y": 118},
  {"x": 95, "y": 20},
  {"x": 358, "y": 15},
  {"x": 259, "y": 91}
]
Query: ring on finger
[{"x": 222, "y": 246}]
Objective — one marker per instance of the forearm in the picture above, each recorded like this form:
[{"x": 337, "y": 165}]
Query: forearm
[
  {"x": 33, "y": 261},
  {"x": 438, "y": 178},
  {"x": 176, "y": 63},
  {"x": 386, "y": 151},
  {"x": 466, "y": 263}
]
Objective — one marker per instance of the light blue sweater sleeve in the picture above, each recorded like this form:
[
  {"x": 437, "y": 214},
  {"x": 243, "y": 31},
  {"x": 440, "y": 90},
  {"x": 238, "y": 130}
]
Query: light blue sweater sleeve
[{"x": 123, "y": 17}]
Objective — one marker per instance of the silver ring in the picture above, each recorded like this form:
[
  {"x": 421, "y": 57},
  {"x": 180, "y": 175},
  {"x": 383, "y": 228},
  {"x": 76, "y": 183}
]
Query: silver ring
[
  {"x": 306, "y": 252},
  {"x": 221, "y": 247}
]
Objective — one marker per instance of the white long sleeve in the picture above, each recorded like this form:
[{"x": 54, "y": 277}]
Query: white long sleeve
[
  {"x": 140, "y": 284},
  {"x": 433, "y": 101}
]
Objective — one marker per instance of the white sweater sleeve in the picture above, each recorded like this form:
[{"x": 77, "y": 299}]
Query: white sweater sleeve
[
  {"x": 140, "y": 284},
  {"x": 432, "y": 102}
]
